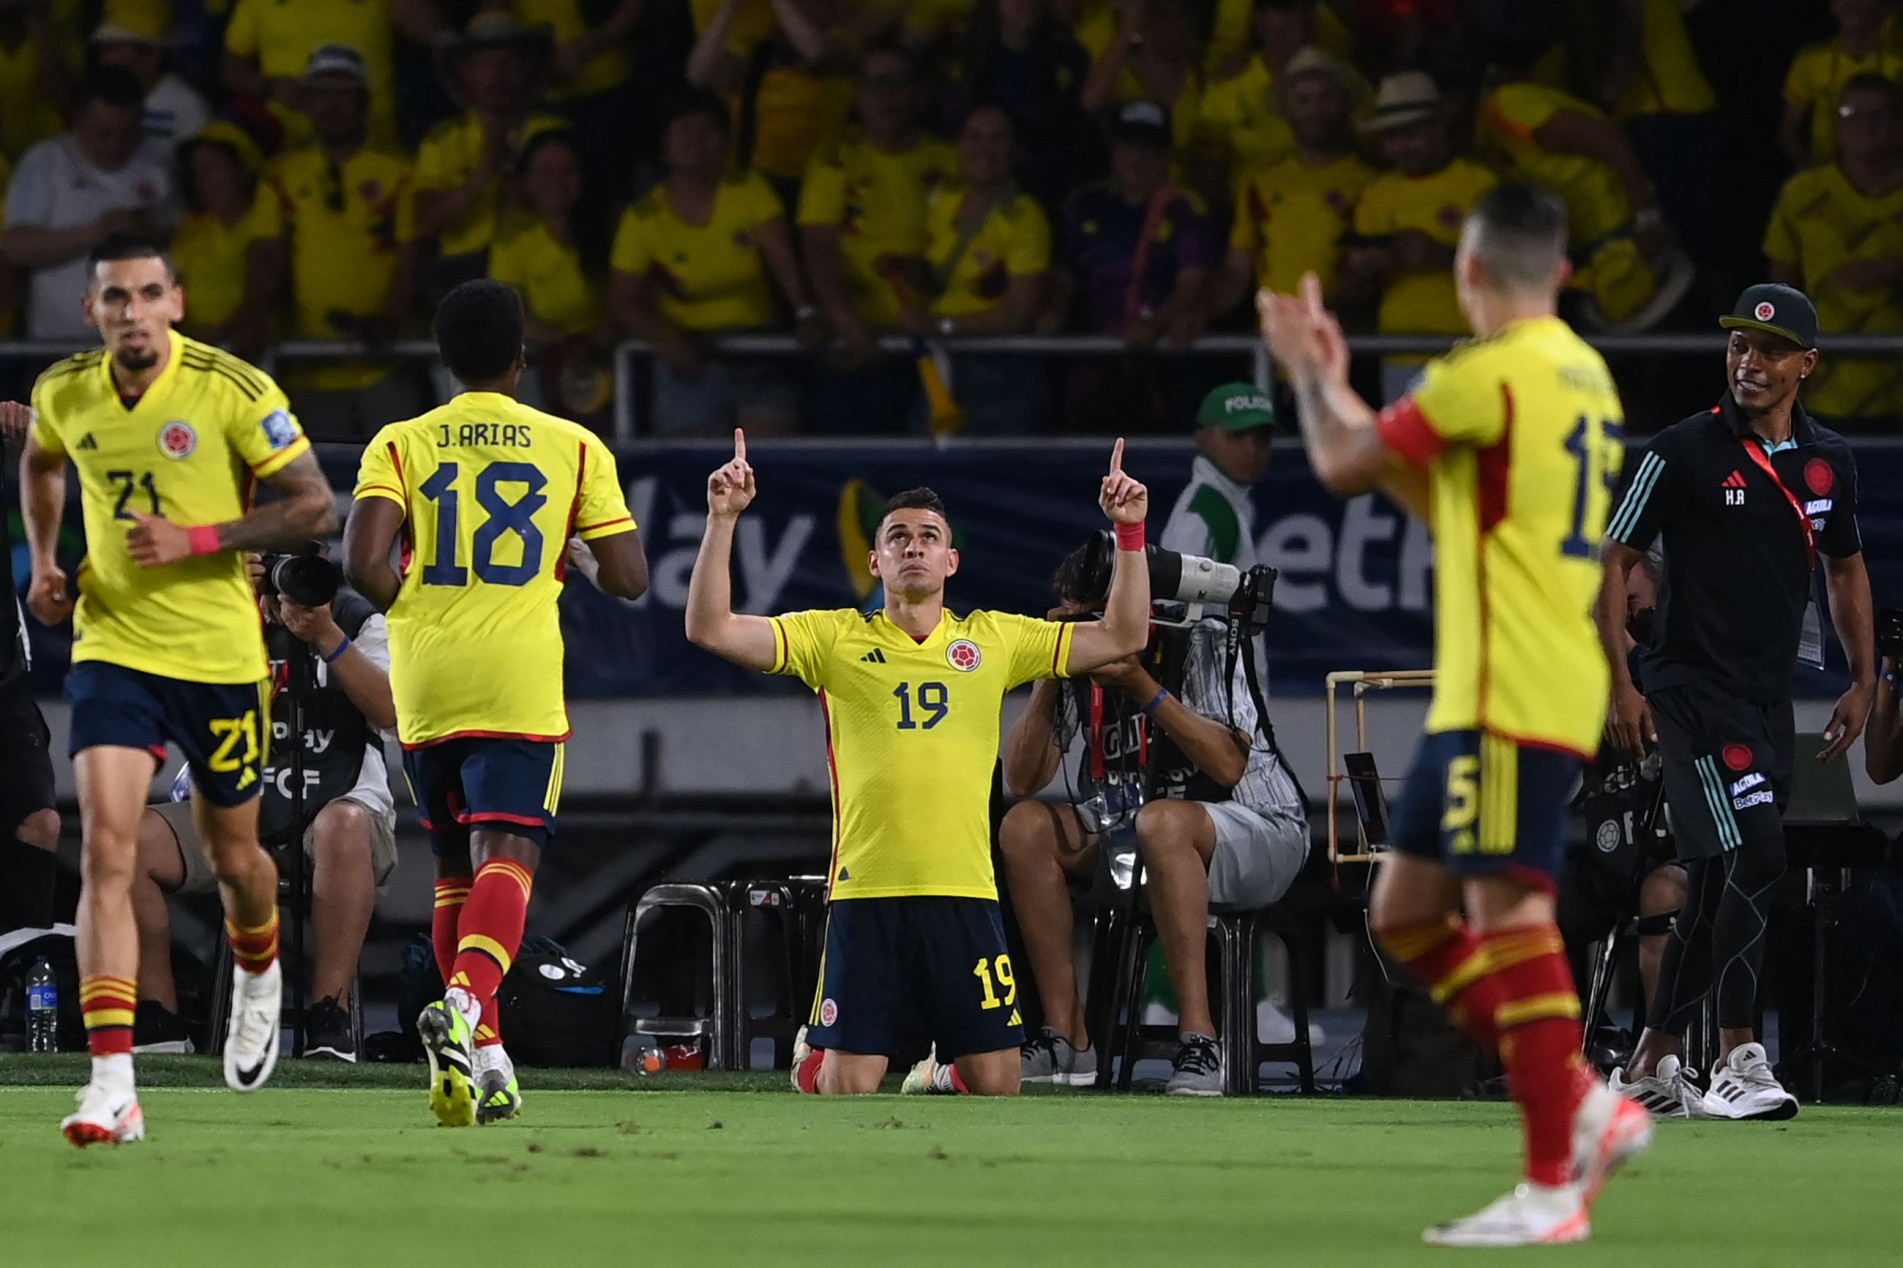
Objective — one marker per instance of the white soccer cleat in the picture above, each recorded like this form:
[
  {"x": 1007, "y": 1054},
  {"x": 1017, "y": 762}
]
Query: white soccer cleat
[
  {"x": 801, "y": 1051},
  {"x": 1744, "y": 1087},
  {"x": 1608, "y": 1131},
  {"x": 922, "y": 1079},
  {"x": 1531, "y": 1215},
  {"x": 1668, "y": 1092},
  {"x": 106, "y": 1116},
  {"x": 251, "y": 1040}
]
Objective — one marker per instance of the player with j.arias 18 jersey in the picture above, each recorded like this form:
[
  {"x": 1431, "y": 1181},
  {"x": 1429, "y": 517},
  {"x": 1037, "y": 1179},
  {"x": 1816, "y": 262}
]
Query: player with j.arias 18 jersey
[
  {"x": 487, "y": 495},
  {"x": 915, "y": 946},
  {"x": 1508, "y": 448}
]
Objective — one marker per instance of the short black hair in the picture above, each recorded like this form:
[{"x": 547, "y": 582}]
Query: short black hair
[
  {"x": 1071, "y": 582},
  {"x": 1520, "y": 235},
  {"x": 113, "y": 86},
  {"x": 919, "y": 499},
  {"x": 1870, "y": 81},
  {"x": 479, "y": 330},
  {"x": 698, "y": 101},
  {"x": 127, "y": 246}
]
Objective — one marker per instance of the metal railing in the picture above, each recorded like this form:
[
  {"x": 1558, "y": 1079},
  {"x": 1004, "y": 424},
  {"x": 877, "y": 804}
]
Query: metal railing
[{"x": 627, "y": 407}]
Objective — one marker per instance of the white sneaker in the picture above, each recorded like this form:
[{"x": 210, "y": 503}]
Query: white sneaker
[
  {"x": 1609, "y": 1130},
  {"x": 1744, "y": 1087},
  {"x": 1531, "y": 1215},
  {"x": 251, "y": 1041},
  {"x": 1668, "y": 1092},
  {"x": 106, "y": 1116}
]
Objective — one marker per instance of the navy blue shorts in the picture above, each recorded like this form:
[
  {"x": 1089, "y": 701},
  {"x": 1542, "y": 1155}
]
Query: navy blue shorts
[
  {"x": 223, "y": 729},
  {"x": 512, "y": 785},
  {"x": 1483, "y": 805},
  {"x": 900, "y": 973}
]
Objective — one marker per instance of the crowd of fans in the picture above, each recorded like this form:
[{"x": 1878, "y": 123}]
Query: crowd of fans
[{"x": 842, "y": 170}]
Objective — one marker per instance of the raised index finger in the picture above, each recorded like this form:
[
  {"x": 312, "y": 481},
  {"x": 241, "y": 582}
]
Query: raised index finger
[
  {"x": 739, "y": 445},
  {"x": 1116, "y": 458}
]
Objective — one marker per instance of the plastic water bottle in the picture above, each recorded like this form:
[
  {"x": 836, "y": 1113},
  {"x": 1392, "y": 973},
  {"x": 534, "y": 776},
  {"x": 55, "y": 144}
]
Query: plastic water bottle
[{"x": 42, "y": 1009}]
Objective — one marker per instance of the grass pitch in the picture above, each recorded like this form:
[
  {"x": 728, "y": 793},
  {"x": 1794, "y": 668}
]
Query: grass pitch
[{"x": 346, "y": 1168}]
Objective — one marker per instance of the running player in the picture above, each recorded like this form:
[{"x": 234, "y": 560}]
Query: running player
[
  {"x": 914, "y": 944},
  {"x": 486, "y": 494},
  {"x": 1508, "y": 448},
  {"x": 167, "y": 435}
]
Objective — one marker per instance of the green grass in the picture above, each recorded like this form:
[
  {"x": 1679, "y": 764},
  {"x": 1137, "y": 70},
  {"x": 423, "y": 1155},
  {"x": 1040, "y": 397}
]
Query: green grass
[{"x": 634, "y": 1173}]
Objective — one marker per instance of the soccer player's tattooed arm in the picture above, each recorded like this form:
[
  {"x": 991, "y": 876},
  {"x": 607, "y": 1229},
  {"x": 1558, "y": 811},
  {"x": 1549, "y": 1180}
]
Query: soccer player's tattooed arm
[
  {"x": 1125, "y": 626},
  {"x": 305, "y": 508},
  {"x": 712, "y": 623},
  {"x": 1628, "y": 719},
  {"x": 1345, "y": 448},
  {"x": 369, "y": 535},
  {"x": 42, "y": 498}
]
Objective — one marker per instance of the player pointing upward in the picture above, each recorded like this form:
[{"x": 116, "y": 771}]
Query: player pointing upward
[
  {"x": 1509, "y": 447},
  {"x": 914, "y": 945},
  {"x": 487, "y": 493},
  {"x": 167, "y": 435}
]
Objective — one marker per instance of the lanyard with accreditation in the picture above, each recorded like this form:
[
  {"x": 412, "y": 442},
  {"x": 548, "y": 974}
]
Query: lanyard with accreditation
[{"x": 1810, "y": 642}]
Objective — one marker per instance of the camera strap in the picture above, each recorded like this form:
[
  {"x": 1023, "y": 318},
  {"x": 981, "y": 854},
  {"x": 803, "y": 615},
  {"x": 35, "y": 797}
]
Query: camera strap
[
  {"x": 1810, "y": 643},
  {"x": 1099, "y": 766},
  {"x": 1763, "y": 461}
]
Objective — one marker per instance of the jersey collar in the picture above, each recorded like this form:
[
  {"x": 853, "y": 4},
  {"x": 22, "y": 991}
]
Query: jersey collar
[
  {"x": 1803, "y": 432},
  {"x": 889, "y": 630},
  {"x": 160, "y": 385}
]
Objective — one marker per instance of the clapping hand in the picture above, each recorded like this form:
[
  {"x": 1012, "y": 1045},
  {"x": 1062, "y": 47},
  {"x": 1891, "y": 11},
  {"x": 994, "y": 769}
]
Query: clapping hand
[{"x": 730, "y": 488}]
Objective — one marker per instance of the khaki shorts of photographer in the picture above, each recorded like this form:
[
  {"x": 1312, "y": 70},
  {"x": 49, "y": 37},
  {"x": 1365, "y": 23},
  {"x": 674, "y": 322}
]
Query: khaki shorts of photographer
[{"x": 200, "y": 879}]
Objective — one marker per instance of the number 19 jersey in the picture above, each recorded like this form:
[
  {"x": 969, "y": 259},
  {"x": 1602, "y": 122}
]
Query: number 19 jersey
[
  {"x": 492, "y": 491},
  {"x": 1521, "y": 438}
]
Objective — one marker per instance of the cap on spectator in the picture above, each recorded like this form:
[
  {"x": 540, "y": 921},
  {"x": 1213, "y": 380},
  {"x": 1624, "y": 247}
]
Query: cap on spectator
[
  {"x": 1404, "y": 99},
  {"x": 1143, "y": 123},
  {"x": 1313, "y": 60},
  {"x": 1236, "y": 407},
  {"x": 1775, "y": 309},
  {"x": 339, "y": 61}
]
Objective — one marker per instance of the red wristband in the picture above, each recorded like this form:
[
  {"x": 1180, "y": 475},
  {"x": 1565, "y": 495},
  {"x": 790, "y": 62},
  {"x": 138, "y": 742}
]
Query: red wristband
[
  {"x": 204, "y": 539},
  {"x": 1130, "y": 537}
]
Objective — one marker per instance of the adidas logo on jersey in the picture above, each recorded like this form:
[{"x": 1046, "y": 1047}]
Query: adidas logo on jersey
[
  {"x": 89, "y": 442},
  {"x": 874, "y": 657},
  {"x": 1734, "y": 486}
]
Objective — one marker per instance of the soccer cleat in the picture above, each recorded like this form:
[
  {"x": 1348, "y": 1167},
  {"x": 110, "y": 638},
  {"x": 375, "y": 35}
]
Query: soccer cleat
[
  {"x": 922, "y": 1079},
  {"x": 106, "y": 1116},
  {"x": 1050, "y": 1058},
  {"x": 1668, "y": 1092},
  {"x": 447, "y": 1042},
  {"x": 1609, "y": 1131},
  {"x": 1531, "y": 1215},
  {"x": 498, "y": 1095},
  {"x": 1744, "y": 1087},
  {"x": 1198, "y": 1068},
  {"x": 801, "y": 1051},
  {"x": 251, "y": 1041}
]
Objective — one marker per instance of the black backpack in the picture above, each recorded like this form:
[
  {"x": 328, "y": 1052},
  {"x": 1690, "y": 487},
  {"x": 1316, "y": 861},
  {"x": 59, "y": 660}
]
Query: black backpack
[
  {"x": 1410, "y": 1047},
  {"x": 556, "y": 1011}
]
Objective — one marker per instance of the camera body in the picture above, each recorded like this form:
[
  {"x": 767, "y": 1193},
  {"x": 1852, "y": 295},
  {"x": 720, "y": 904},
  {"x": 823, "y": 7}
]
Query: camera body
[{"x": 308, "y": 579}]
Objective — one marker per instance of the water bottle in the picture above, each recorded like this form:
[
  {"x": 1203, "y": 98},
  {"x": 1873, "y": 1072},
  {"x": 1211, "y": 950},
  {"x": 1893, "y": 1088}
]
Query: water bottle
[{"x": 42, "y": 1009}]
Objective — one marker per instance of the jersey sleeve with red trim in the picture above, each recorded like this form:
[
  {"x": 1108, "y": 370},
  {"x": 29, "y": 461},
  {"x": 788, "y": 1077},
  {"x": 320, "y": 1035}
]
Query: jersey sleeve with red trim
[
  {"x": 603, "y": 511},
  {"x": 378, "y": 472},
  {"x": 1461, "y": 400}
]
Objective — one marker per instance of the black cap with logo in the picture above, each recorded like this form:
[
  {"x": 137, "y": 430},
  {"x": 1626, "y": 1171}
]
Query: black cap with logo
[{"x": 1778, "y": 310}]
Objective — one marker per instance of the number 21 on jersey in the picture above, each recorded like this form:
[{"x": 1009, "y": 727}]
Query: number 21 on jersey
[{"x": 507, "y": 495}]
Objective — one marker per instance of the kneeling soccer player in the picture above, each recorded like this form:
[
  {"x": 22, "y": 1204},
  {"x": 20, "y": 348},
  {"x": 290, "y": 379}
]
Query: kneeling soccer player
[
  {"x": 488, "y": 492},
  {"x": 914, "y": 942},
  {"x": 1508, "y": 448}
]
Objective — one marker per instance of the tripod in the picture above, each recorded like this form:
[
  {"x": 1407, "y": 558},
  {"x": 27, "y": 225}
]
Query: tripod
[{"x": 300, "y": 686}]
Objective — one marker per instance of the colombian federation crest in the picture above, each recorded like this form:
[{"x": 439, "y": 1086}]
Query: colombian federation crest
[
  {"x": 177, "y": 439},
  {"x": 963, "y": 655}
]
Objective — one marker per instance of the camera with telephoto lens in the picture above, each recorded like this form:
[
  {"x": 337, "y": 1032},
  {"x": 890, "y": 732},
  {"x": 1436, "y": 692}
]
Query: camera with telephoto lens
[
  {"x": 1245, "y": 594},
  {"x": 305, "y": 578},
  {"x": 1890, "y": 632}
]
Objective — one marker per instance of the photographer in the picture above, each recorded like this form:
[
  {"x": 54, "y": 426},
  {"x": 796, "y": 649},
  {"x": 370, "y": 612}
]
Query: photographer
[
  {"x": 351, "y": 833},
  {"x": 1225, "y": 822},
  {"x": 29, "y": 825},
  {"x": 1883, "y": 740}
]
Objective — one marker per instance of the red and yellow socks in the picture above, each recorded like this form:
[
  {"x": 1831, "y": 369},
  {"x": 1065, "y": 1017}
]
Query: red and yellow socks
[
  {"x": 1448, "y": 958},
  {"x": 253, "y": 948},
  {"x": 1540, "y": 1040},
  {"x": 109, "y": 1005},
  {"x": 451, "y": 893},
  {"x": 490, "y": 931}
]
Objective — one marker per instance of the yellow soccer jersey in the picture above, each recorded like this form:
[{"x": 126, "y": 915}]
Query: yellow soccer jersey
[
  {"x": 1596, "y": 203},
  {"x": 493, "y": 490},
  {"x": 212, "y": 259},
  {"x": 1291, "y": 218},
  {"x": 555, "y": 285},
  {"x": 711, "y": 276},
  {"x": 1423, "y": 301},
  {"x": 1014, "y": 241},
  {"x": 877, "y": 202},
  {"x": 912, "y": 739},
  {"x": 1821, "y": 222},
  {"x": 444, "y": 162},
  {"x": 1817, "y": 77},
  {"x": 190, "y": 449},
  {"x": 1520, "y": 436},
  {"x": 282, "y": 35}
]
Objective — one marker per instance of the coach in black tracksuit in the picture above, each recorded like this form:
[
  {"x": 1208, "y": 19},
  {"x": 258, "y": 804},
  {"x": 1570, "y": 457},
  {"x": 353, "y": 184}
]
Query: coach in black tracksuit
[{"x": 1747, "y": 498}]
